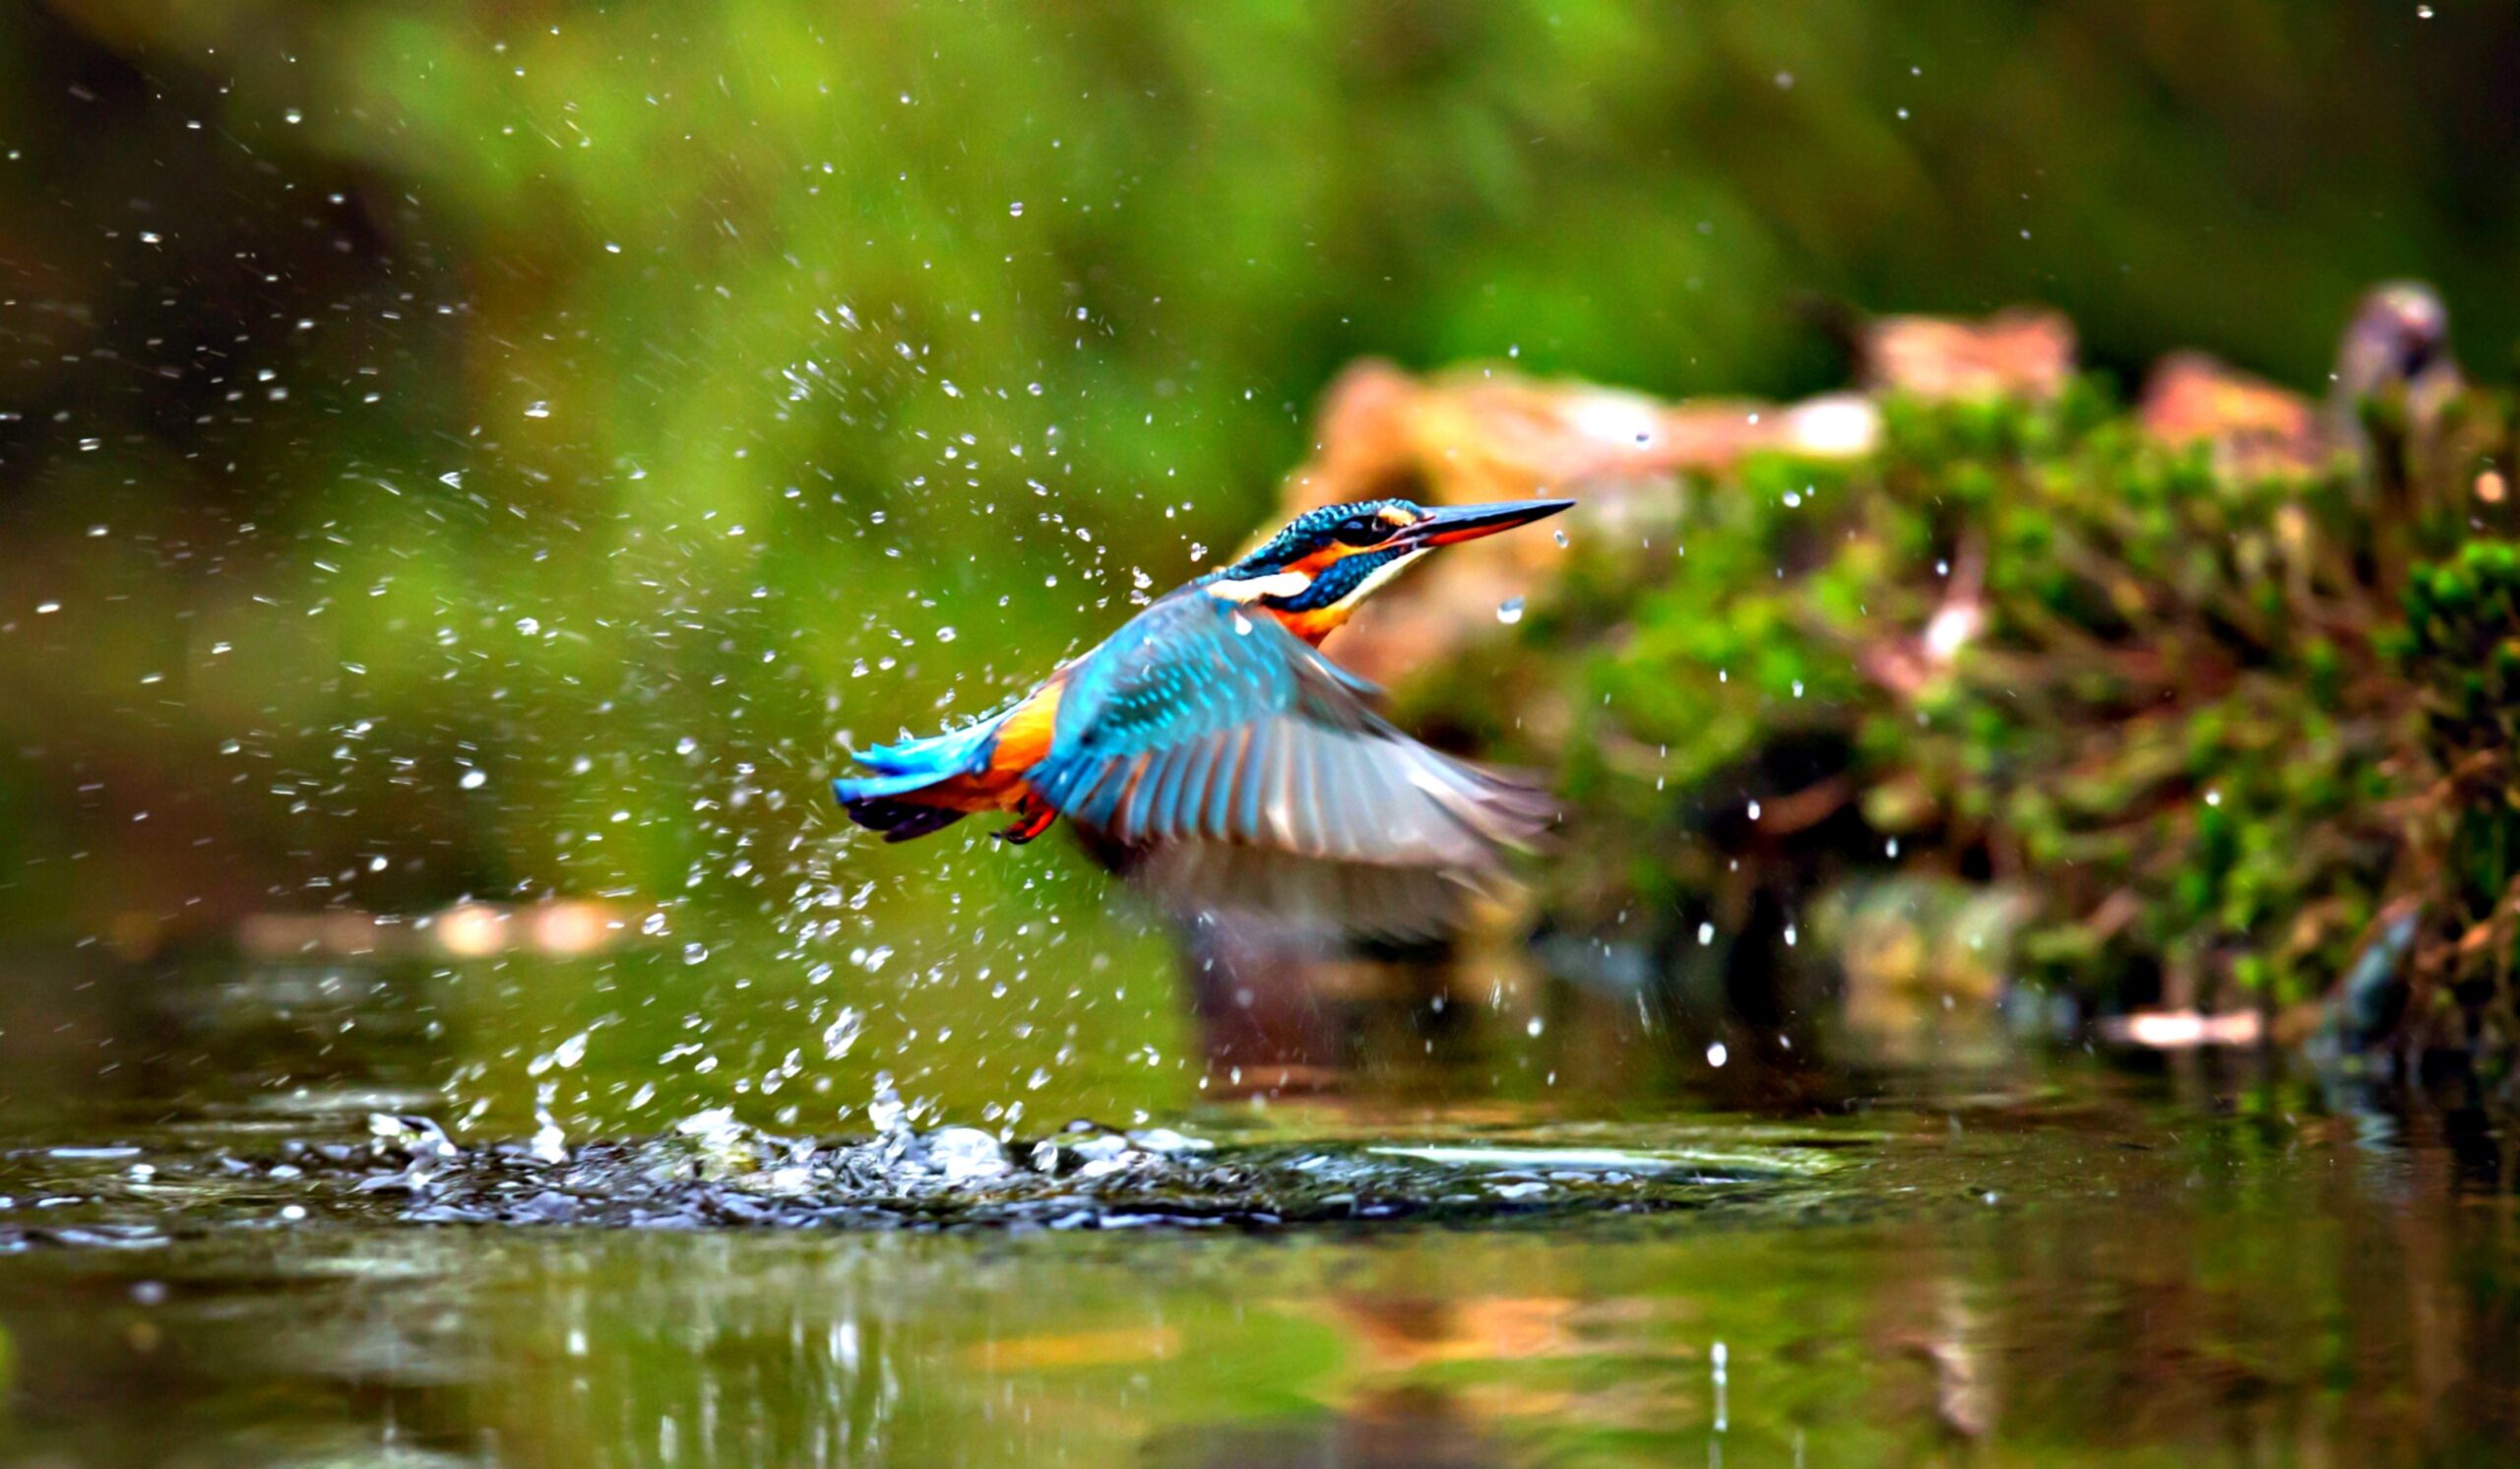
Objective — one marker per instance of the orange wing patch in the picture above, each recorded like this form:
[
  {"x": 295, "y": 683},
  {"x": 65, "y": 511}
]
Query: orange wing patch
[
  {"x": 1022, "y": 743},
  {"x": 1024, "y": 740}
]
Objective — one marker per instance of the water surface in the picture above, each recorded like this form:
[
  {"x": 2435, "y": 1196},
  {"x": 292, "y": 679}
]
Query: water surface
[{"x": 2035, "y": 1261}]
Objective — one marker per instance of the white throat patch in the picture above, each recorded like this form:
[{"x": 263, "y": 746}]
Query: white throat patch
[
  {"x": 1375, "y": 578},
  {"x": 1252, "y": 588}
]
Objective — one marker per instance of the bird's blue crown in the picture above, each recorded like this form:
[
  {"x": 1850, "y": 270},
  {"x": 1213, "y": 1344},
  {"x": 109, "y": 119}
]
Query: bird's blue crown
[{"x": 1360, "y": 523}]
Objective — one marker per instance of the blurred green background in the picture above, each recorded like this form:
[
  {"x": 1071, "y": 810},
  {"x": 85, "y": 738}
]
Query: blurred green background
[{"x": 503, "y": 450}]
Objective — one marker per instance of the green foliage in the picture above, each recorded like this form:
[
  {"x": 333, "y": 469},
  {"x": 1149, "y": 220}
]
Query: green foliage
[
  {"x": 2185, "y": 711},
  {"x": 368, "y": 333},
  {"x": 2460, "y": 650}
]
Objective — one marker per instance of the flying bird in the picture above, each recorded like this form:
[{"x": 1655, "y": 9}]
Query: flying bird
[{"x": 1211, "y": 752}]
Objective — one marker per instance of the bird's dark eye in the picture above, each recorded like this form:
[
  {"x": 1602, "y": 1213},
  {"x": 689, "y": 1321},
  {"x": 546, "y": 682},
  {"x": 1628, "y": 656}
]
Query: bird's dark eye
[{"x": 1361, "y": 530}]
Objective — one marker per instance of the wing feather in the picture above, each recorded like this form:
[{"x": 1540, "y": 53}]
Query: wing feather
[
  {"x": 1204, "y": 777},
  {"x": 1102, "y": 792},
  {"x": 1349, "y": 783},
  {"x": 1218, "y": 818},
  {"x": 1166, "y": 808},
  {"x": 1140, "y": 807},
  {"x": 1231, "y": 765},
  {"x": 1252, "y": 782},
  {"x": 1314, "y": 806}
]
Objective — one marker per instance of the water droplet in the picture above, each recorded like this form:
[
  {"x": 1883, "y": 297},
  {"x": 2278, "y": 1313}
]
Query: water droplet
[
  {"x": 1016, "y": 209},
  {"x": 1717, "y": 1055},
  {"x": 537, "y": 409},
  {"x": 550, "y": 1144},
  {"x": 1510, "y": 610},
  {"x": 474, "y": 780}
]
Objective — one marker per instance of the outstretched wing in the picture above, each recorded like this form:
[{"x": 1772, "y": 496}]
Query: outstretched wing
[{"x": 1230, "y": 765}]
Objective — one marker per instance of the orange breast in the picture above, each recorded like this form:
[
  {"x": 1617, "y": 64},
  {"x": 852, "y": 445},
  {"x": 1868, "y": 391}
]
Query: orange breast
[{"x": 1314, "y": 625}]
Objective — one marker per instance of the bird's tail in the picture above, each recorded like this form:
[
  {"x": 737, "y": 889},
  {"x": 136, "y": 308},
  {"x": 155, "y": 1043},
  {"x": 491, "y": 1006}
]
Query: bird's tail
[
  {"x": 886, "y": 798},
  {"x": 898, "y": 820}
]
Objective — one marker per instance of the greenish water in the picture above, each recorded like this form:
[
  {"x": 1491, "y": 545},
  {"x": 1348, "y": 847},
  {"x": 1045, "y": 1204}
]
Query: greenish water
[{"x": 2007, "y": 1262}]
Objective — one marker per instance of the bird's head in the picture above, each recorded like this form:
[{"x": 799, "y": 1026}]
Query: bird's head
[{"x": 1314, "y": 573}]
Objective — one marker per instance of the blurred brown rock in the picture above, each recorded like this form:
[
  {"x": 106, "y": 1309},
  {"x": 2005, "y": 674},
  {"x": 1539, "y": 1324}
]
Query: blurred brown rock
[
  {"x": 2255, "y": 428},
  {"x": 1484, "y": 433},
  {"x": 1476, "y": 434},
  {"x": 2020, "y": 352},
  {"x": 2395, "y": 354}
]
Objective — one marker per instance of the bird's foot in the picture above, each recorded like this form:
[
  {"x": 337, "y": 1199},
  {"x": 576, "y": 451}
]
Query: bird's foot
[{"x": 1033, "y": 824}]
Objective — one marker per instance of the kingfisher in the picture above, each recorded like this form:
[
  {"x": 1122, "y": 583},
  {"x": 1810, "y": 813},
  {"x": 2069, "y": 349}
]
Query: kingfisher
[{"x": 1210, "y": 752}]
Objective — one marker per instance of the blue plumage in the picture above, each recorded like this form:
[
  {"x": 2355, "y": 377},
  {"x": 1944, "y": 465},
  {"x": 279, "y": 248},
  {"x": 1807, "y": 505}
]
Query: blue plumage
[
  {"x": 1219, "y": 759},
  {"x": 911, "y": 766},
  {"x": 914, "y": 763}
]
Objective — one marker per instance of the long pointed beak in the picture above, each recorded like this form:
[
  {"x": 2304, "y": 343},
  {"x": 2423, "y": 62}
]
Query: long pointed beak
[{"x": 1453, "y": 523}]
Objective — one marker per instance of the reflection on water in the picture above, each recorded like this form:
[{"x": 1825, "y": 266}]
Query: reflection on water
[
  {"x": 2224, "y": 1295},
  {"x": 198, "y": 1266},
  {"x": 627, "y": 1037}
]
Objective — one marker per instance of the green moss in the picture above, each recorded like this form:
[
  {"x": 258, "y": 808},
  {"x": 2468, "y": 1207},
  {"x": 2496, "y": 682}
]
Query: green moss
[{"x": 2194, "y": 718}]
